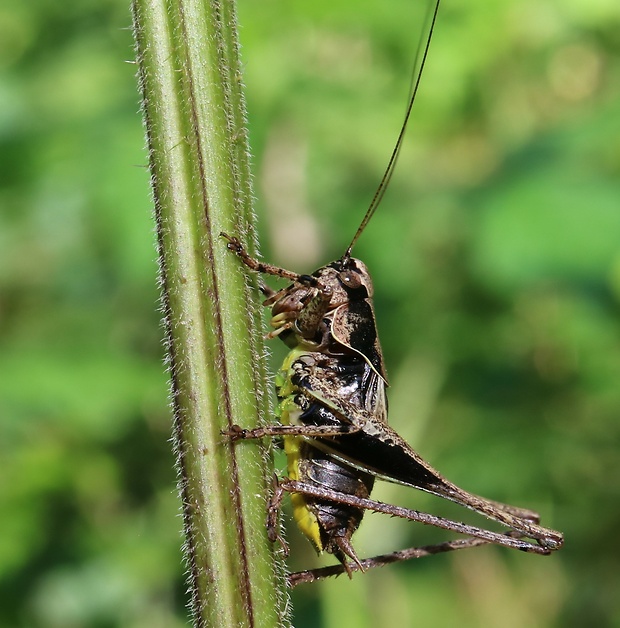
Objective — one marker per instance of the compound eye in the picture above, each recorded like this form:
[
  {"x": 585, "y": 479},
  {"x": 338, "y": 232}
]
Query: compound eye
[{"x": 350, "y": 279}]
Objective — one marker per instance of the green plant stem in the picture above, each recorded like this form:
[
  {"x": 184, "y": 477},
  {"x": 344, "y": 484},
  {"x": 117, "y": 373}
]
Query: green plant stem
[{"x": 195, "y": 122}]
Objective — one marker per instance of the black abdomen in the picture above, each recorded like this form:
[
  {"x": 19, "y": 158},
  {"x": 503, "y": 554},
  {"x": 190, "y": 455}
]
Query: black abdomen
[{"x": 337, "y": 522}]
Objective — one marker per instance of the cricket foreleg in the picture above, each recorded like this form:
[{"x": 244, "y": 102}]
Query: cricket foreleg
[{"x": 235, "y": 246}]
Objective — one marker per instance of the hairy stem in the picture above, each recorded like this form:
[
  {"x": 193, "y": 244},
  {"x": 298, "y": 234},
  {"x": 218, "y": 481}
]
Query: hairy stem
[{"x": 195, "y": 121}]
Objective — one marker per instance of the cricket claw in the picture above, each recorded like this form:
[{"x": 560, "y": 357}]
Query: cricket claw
[
  {"x": 234, "y": 432},
  {"x": 233, "y": 243}
]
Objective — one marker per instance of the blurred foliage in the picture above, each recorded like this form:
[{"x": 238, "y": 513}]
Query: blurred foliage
[{"x": 496, "y": 258}]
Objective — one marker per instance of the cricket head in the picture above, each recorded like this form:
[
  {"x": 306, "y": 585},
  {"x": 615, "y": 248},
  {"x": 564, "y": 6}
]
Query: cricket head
[
  {"x": 348, "y": 278},
  {"x": 302, "y": 307},
  {"x": 344, "y": 280}
]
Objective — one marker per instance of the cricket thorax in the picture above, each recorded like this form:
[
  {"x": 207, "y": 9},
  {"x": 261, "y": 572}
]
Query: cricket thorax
[{"x": 330, "y": 312}]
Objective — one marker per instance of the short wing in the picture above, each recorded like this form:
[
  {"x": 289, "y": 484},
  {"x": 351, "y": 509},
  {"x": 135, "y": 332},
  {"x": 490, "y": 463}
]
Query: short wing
[
  {"x": 354, "y": 326},
  {"x": 376, "y": 448}
]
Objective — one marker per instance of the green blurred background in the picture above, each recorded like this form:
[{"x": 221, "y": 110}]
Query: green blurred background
[{"x": 496, "y": 258}]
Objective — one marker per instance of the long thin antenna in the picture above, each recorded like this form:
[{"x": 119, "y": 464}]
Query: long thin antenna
[{"x": 387, "y": 175}]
